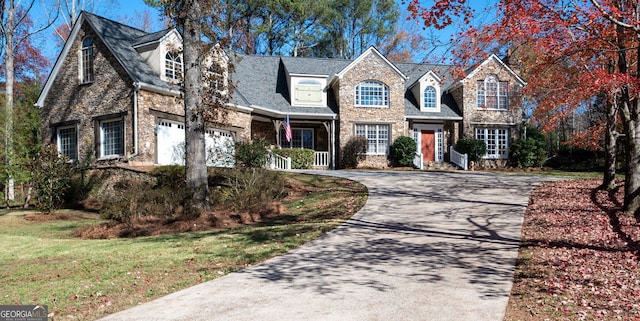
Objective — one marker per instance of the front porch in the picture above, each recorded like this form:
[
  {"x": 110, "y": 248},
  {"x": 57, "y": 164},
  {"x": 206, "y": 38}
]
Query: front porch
[{"x": 305, "y": 134}]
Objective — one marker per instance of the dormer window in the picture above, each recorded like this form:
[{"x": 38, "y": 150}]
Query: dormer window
[
  {"x": 173, "y": 66},
  {"x": 308, "y": 92},
  {"x": 430, "y": 98},
  {"x": 372, "y": 94},
  {"x": 493, "y": 94},
  {"x": 87, "y": 56}
]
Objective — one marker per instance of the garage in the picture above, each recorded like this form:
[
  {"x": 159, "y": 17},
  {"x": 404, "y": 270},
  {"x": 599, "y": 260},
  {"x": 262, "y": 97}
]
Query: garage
[{"x": 170, "y": 137}]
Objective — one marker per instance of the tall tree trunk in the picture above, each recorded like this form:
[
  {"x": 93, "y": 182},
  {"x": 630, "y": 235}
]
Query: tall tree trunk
[
  {"x": 632, "y": 178},
  {"x": 195, "y": 163},
  {"x": 609, "y": 176},
  {"x": 9, "y": 30}
]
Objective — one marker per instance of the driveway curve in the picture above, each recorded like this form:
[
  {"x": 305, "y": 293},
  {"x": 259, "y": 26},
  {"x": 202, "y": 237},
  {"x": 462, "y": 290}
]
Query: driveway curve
[{"x": 426, "y": 246}]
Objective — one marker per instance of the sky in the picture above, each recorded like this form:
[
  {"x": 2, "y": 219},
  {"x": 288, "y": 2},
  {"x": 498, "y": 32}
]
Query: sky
[
  {"x": 124, "y": 11},
  {"x": 130, "y": 12}
]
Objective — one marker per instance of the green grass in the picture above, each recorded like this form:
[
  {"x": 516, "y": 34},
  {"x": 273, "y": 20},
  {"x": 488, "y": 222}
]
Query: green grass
[{"x": 86, "y": 279}]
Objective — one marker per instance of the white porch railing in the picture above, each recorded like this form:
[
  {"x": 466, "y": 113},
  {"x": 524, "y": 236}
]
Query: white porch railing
[
  {"x": 322, "y": 159},
  {"x": 279, "y": 162},
  {"x": 418, "y": 162},
  {"x": 459, "y": 159}
]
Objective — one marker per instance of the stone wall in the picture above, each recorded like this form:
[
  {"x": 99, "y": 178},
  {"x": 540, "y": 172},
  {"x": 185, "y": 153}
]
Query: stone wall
[
  {"x": 473, "y": 117},
  {"x": 153, "y": 106},
  {"x": 372, "y": 67},
  {"x": 467, "y": 99},
  {"x": 112, "y": 94},
  {"x": 69, "y": 102}
]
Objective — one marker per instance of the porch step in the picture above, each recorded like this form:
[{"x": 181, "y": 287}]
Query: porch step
[{"x": 445, "y": 166}]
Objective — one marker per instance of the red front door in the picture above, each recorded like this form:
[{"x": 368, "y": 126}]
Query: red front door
[{"x": 428, "y": 148}]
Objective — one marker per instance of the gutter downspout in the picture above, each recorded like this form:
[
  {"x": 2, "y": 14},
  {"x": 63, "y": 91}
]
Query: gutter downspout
[{"x": 136, "y": 87}]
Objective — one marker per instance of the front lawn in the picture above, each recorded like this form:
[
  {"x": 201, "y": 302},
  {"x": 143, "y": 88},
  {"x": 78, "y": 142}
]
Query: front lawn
[{"x": 80, "y": 279}]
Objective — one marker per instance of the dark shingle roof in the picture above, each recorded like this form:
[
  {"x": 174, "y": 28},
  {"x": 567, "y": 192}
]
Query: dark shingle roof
[
  {"x": 448, "y": 107},
  {"x": 150, "y": 38},
  {"x": 314, "y": 66},
  {"x": 120, "y": 39},
  {"x": 261, "y": 81}
]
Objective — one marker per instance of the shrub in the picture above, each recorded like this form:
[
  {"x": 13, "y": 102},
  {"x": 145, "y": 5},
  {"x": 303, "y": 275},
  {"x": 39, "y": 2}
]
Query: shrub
[
  {"x": 354, "y": 151},
  {"x": 253, "y": 154},
  {"x": 527, "y": 153},
  {"x": 81, "y": 182},
  {"x": 403, "y": 151},
  {"x": 135, "y": 198},
  {"x": 474, "y": 148},
  {"x": 247, "y": 189},
  {"x": 171, "y": 176},
  {"x": 50, "y": 178},
  {"x": 301, "y": 158}
]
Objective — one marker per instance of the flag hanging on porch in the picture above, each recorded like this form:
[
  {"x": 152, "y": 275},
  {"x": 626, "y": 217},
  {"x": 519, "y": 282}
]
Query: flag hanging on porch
[{"x": 287, "y": 129}]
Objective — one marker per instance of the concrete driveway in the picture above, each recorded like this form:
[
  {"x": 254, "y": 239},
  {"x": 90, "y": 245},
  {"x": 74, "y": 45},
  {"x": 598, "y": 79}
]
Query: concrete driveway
[{"x": 426, "y": 246}]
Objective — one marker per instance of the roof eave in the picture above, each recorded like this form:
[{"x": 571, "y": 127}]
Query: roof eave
[
  {"x": 433, "y": 117},
  {"x": 60, "y": 60},
  {"x": 276, "y": 113}
]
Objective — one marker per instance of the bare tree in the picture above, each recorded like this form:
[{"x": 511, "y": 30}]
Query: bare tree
[{"x": 12, "y": 18}]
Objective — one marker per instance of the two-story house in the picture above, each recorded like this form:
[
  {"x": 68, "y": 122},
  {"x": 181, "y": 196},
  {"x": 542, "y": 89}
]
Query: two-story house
[{"x": 114, "y": 94}]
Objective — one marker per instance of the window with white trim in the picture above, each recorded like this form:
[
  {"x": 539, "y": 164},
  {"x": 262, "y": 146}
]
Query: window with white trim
[
  {"x": 377, "y": 135},
  {"x": 173, "y": 66},
  {"x": 493, "y": 94},
  {"x": 497, "y": 141},
  {"x": 372, "y": 94},
  {"x": 300, "y": 138},
  {"x": 111, "y": 138},
  {"x": 308, "y": 92},
  {"x": 430, "y": 98},
  {"x": 67, "y": 140},
  {"x": 87, "y": 56}
]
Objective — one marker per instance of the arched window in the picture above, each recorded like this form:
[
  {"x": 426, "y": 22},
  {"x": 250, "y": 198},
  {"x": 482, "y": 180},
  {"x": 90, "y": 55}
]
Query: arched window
[
  {"x": 430, "y": 98},
  {"x": 87, "y": 60},
  {"x": 492, "y": 93},
  {"x": 173, "y": 66},
  {"x": 372, "y": 94}
]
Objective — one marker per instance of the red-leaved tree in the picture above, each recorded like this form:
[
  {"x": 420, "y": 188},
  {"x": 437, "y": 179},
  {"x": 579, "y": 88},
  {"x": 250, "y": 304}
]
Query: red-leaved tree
[{"x": 571, "y": 53}]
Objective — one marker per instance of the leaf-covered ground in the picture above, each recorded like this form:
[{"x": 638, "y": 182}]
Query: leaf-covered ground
[{"x": 579, "y": 256}]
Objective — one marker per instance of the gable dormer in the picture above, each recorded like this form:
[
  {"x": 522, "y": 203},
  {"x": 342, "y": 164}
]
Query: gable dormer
[
  {"x": 428, "y": 92},
  {"x": 163, "y": 52}
]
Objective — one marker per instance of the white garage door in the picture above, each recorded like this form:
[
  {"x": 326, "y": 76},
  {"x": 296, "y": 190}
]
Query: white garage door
[
  {"x": 219, "y": 145},
  {"x": 170, "y": 143},
  {"x": 220, "y": 148}
]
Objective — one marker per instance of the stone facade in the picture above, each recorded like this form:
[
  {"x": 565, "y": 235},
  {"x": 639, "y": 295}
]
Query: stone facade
[
  {"x": 70, "y": 102},
  {"x": 372, "y": 67},
  {"x": 153, "y": 107},
  {"x": 474, "y": 116},
  {"x": 112, "y": 95}
]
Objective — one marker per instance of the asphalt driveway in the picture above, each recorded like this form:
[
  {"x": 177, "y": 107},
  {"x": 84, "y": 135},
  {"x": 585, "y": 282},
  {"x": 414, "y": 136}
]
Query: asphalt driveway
[{"x": 426, "y": 246}]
